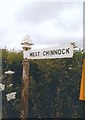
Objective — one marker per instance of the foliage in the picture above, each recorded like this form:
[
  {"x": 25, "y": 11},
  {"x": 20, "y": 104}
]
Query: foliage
[{"x": 54, "y": 86}]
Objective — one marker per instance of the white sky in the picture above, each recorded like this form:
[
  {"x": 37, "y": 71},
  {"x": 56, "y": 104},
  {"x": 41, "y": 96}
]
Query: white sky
[{"x": 47, "y": 23}]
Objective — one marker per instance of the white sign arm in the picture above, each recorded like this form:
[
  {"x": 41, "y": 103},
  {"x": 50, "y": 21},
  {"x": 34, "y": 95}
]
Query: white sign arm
[{"x": 51, "y": 53}]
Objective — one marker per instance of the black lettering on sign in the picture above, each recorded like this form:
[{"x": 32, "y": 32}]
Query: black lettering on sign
[
  {"x": 44, "y": 53},
  {"x": 63, "y": 51},
  {"x": 31, "y": 54},
  {"x": 34, "y": 54},
  {"x": 38, "y": 53},
  {"x": 67, "y": 50},
  {"x": 59, "y": 51},
  {"x": 53, "y": 52},
  {"x": 47, "y": 52}
]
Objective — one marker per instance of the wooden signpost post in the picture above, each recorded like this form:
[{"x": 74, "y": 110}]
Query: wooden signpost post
[
  {"x": 45, "y": 53},
  {"x": 26, "y": 43}
]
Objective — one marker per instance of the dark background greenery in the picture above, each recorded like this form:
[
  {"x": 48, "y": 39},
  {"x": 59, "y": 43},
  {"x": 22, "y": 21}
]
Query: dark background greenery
[{"x": 54, "y": 86}]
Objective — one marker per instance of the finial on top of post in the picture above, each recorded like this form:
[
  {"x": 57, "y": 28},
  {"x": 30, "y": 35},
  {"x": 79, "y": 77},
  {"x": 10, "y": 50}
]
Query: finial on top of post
[{"x": 26, "y": 43}]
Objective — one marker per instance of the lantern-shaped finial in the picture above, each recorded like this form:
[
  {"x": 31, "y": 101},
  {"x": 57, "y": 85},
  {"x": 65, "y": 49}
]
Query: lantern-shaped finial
[{"x": 26, "y": 43}]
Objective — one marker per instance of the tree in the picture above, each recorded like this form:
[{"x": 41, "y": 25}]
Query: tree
[{"x": 54, "y": 86}]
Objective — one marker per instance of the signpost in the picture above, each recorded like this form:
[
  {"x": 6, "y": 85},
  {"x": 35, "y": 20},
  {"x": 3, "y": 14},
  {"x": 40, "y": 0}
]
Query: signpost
[
  {"x": 46, "y": 53},
  {"x": 51, "y": 53},
  {"x": 26, "y": 43}
]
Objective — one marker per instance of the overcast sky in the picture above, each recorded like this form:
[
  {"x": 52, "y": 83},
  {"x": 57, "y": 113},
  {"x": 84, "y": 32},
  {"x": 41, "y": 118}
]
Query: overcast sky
[{"x": 47, "y": 23}]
